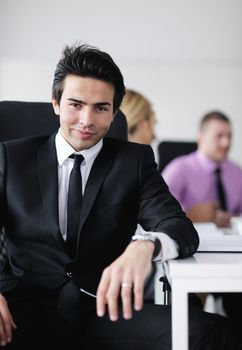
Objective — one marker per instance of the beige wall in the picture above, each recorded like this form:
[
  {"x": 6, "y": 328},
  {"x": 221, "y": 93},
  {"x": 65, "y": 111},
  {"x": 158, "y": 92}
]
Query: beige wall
[{"x": 185, "y": 55}]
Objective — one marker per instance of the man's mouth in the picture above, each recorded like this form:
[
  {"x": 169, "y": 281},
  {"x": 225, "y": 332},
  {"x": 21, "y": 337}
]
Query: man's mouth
[{"x": 84, "y": 134}]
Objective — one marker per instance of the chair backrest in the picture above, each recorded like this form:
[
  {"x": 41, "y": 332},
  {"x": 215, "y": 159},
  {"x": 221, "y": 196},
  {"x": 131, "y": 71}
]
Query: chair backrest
[
  {"x": 119, "y": 127},
  {"x": 20, "y": 119},
  {"x": 168, "y": 150}
]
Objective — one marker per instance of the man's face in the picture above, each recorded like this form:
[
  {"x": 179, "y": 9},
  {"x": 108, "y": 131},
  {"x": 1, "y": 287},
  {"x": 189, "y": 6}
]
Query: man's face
[
  {"x": 85, "y": 110},
  {"x": 215, "y": 140}
]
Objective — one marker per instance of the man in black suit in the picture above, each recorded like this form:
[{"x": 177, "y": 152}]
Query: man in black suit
[{"x": 58, "y": 290}]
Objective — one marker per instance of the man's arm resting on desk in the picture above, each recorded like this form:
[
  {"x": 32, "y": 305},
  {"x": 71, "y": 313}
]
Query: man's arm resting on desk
[{"x": 126, "y": 276}]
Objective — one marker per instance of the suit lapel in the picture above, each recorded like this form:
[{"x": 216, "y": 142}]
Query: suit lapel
[
  {"x": 48, "y": 177},
  {"x": 97, "y": 175}
]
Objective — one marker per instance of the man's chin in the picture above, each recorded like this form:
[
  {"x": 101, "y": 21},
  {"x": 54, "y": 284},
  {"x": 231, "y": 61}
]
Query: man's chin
[
  {"x": 87, "y": 144},
  {"x": 222, "y": 158}
]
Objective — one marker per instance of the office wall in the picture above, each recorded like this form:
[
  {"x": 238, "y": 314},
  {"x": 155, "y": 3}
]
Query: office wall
[{"x": 185, "y": 55}]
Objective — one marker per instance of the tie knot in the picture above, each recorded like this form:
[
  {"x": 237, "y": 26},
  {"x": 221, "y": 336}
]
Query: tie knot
[
  {"x": 218, "y": 170},
  {"x": 78, "y": 158}
]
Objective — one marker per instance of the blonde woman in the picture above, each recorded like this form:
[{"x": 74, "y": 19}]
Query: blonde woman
[{"x": 140, "y": 117}]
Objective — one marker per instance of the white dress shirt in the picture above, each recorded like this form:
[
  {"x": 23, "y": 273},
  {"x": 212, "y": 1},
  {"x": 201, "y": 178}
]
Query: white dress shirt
[
  {"x": 65, "y": 164},
  {"x": 169, "y": 248}
]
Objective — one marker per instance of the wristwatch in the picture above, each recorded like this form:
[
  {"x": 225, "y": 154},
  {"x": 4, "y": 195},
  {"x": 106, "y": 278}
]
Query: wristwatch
[{"x": 151, "y": 238}]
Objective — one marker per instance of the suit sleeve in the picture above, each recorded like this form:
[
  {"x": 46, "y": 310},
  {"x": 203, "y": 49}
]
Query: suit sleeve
[
  {"x": 159, "y": 211},
  {"x": 2, "y": 184}
]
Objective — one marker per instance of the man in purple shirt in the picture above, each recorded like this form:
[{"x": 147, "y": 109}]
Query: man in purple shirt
[{"x": 192, "y": 178}]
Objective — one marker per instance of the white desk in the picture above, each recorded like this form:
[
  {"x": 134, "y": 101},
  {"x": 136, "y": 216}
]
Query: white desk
[{"x": 204, "y": 272}]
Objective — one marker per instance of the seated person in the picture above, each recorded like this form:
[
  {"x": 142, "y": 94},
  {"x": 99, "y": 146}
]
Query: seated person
[
  {"x": 69, "y": 206},
  {"x": 194, "y": 178}
]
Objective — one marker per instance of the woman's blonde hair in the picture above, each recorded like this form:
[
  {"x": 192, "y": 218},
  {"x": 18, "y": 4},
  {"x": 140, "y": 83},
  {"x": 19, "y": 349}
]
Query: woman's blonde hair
[{"x": 136, "y": 108}]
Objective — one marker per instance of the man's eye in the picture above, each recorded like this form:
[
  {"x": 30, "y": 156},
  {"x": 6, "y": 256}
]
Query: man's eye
[
  {"x": 76, "y": 105},
  {"x": 101, "y": 109}
]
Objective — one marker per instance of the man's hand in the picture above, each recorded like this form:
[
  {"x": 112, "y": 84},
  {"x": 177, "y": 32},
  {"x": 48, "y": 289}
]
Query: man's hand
[
  {"x": 222, "y": 218},
  {"x": 125, "y": 277},
  {"x": 6, "y": 322},
  {"x": 203, "y": 212}
]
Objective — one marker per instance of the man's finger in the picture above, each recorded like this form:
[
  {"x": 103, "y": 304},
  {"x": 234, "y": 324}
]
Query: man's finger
[{"x": 126, "y": 295}]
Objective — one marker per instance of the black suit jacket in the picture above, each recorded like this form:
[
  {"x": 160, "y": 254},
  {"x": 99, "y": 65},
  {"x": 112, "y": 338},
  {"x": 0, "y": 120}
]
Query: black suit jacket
[{"x": 124, "y": 187}]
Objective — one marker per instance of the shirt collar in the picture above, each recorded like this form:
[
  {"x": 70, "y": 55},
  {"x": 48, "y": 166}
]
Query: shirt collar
[
  {"x": 208, "y": 164},
  {"x": 64, "y": 150}
]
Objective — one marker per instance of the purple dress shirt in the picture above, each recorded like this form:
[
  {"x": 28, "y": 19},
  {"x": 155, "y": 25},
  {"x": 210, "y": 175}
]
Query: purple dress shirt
[{"x": 191, "y": 179}]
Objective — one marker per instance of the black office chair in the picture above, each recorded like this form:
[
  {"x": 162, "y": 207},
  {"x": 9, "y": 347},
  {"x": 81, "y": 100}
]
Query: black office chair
[
  {"x": 20, "y": 119},
  {"x": 168, "y": 150}
]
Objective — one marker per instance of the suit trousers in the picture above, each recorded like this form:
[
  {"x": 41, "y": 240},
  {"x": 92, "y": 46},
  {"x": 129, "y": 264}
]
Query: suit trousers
[
  {"x": 232, "y": 303},
  {"x": 40, "y": 327}
]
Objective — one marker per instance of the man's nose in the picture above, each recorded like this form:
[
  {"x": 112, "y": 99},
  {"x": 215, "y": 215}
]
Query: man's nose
[{"x": 86, "y": 117}]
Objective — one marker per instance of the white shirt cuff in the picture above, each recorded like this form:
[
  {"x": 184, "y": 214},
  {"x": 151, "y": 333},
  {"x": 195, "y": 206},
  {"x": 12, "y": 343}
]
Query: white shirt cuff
[{"x": 169, "y": 247}]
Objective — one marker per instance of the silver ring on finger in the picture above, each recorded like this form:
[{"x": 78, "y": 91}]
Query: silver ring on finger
[{"x": 126, "y": 285}]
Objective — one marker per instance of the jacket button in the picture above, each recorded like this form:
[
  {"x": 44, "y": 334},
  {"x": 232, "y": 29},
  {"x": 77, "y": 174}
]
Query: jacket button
[{"x": 69, "y": 274}]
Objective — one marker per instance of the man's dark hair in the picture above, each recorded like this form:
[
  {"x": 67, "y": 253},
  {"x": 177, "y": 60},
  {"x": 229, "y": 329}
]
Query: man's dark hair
[
  {"x": 213, "y": 115},
  {"x": 88, "y": 61}
]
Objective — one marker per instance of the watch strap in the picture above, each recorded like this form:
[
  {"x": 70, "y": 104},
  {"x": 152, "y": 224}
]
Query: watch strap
[{"x": 151, "y": 238}]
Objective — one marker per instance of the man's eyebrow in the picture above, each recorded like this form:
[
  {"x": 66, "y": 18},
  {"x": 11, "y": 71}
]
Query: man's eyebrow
[
  {"x": 102, "y": 104},
  {"x": 75, "y": 100},
  {"x": 97, "y": 104}
]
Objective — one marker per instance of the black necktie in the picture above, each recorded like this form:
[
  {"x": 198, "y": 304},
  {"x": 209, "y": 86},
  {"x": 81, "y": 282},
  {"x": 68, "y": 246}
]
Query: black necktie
[
  {"x": 220, "y": 190},
  {"x": 74, "y": 204}
]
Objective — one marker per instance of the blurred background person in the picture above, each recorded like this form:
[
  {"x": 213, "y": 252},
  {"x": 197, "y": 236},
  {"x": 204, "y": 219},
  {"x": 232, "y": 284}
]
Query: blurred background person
[
  {"x": 206, "y": 183},
  {"x": 140, "y": 117}
]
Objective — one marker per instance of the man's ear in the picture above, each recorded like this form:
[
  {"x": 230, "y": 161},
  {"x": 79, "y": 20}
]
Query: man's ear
[{"x": 56, "y": 106}]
